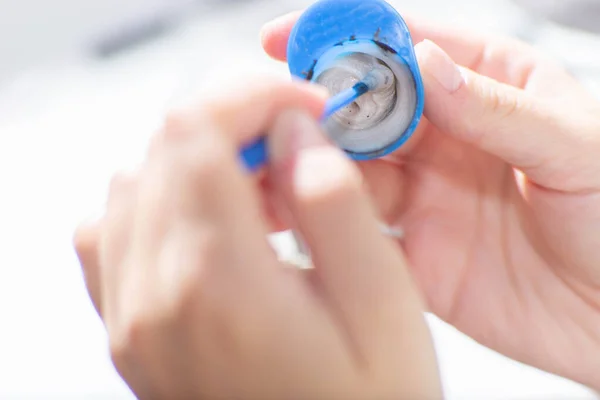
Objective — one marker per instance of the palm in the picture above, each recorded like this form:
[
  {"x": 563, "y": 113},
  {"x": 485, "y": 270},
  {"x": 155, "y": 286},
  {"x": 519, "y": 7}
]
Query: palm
[{"x": 510, "y": 262}]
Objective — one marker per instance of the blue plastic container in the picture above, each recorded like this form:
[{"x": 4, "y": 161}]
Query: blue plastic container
[
  {"x": 330, "y": 29},
  {"x": 324, "y": 37}
]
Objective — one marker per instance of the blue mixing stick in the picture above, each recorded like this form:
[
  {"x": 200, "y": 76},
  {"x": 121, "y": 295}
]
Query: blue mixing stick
[{"x": 255, "y": 155}]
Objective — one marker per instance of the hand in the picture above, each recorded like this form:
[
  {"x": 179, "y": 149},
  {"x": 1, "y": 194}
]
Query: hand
[
  {"x": 498, "y": 194},
  {"x": 194, "y": 300}
]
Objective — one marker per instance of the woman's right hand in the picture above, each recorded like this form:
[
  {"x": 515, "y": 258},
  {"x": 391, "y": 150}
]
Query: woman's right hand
[
  {"x": 197, "y": 305},
  {"x": 498, "y": 193}
]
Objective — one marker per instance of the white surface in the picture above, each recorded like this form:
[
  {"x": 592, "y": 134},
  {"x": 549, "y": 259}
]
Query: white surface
[
  {"x": 62, "y": 133},
  {"x": 33, "y": 31}
]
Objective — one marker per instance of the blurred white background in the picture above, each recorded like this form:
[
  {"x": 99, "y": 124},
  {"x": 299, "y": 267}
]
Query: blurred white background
[{"x": 70, "y": 116}]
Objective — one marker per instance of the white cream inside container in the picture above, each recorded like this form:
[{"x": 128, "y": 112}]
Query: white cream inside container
[{"x": 378, "y": 118}]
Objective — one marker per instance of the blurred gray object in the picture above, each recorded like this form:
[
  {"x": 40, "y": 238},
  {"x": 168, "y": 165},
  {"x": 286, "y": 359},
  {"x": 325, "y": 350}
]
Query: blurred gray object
[
  {"x": 34, "y": 32},
  {"x": 578, "y": 14}
]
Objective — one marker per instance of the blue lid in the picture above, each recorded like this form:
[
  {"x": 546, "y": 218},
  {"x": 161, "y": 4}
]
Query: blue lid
[{"x": 330, "y": 23}]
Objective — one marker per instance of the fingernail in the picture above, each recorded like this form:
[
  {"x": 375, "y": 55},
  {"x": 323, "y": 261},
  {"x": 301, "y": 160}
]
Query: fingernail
[
  {"x": 292, "y": 132},
  {"x": 438, "y": 64}
]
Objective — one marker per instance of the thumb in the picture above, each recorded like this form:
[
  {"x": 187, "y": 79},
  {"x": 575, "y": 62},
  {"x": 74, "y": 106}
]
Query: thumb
[
  {"x": 525, "y": 131},
  {"x": 362, "y": 273}
]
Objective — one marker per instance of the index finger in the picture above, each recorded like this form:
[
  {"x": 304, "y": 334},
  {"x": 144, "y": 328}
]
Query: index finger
[
  {"x": 248, "y": 106},
  {"x": 195, "y": 157}
]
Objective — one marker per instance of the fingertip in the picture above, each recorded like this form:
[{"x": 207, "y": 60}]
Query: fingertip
[
  {"x": 444, "y": 83},
  {"x": 270, "y": 42},
  {"x": 86, "y": 236},
  {"x": 274, "y": 35}
]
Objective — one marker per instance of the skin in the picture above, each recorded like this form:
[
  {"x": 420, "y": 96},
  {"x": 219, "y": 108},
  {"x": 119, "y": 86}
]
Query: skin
[
  {"x": 498, "y": 194},
  {"x": 196, "y": 303}
]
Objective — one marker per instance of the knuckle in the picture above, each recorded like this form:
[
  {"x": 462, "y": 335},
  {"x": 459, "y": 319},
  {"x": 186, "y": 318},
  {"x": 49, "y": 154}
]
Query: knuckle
[
  {"x": 205, "y": 151},
  {"x": 212, "y": 245},
  {"x": 132, "y": 336},
  {"x": 178, "y": 126},
  {"x": 126, "y": 342},
  {"x": 122, "y": 181},
  {"x": 194, "y": 291},
  {"x": 209, "y": 163},
  {"x": 197, "y": 279},
  {"x": 85, "y": 240},
  {"x": 207, "y": 285},
  {"x": 154, "y": 145},
  {"x": 183, "y": 124},
  {"x": 202, "y": 171},
  {"x": 119, "y": 352},
  {"x": 201, "y": 166},
  {"x": 498, "y": 105},
  {"x": 184, "y": 307},
  {"x": 122, "y": 188},
  {"x": 501, "y": 104}
]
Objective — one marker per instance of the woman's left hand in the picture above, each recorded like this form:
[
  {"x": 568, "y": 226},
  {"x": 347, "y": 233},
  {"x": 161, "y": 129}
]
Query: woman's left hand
[
  {"x": 196, "y": 303},
  {"x": 498, "y": 195}
]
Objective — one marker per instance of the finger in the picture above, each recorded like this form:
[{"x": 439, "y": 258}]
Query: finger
[
  {"x": 197, "y": 205},
  {"x": 504, "y": 59},
  {"x": 274, "y": 35},
  {"x": 243, "y": 112},
  {"x": 114, "y": 241},
  {"x": 196, "y": 181},
  {"x": 363, "y": 274},
  {"x": 198, "y": 247},
  {"x": 383, "y": 180},
  {"x": 86, "y": 241},
  {"x": 247, "y": 107},
  {"x": 527, "y": 132}
]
